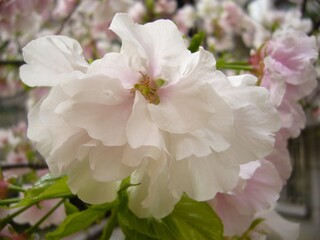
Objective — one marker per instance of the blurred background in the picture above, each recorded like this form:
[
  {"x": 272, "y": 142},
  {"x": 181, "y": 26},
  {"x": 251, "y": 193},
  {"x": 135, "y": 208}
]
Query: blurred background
[{"x": 87, "y": 21}]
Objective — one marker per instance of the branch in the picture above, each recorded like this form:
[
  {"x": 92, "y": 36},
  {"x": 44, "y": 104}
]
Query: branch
[
  {"x": 23, "y": 165},
  {"x": 67, "y": 18},
  {"x": 12, "y": 62}
]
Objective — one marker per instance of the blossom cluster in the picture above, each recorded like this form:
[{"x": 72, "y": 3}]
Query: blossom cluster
[{"x": 118, "y": 96}]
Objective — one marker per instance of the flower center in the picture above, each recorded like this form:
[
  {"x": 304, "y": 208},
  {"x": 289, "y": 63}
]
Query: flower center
[{"x": 148, "y": 88}]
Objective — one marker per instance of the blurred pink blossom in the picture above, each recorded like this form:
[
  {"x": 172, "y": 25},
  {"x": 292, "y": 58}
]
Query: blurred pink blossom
[{"x": 33, "y": 214}]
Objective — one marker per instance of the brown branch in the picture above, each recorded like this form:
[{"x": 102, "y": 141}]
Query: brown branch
[
  {"x": 5, "y": 167},
  {"x": 67, "y": 18},
  {"x": 12, "y": 62}
]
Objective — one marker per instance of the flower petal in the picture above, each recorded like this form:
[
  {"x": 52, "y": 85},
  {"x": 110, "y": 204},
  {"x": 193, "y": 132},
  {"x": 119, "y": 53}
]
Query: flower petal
[
  {"x": 106, "y": 165},
  {"x": 153, "y": 197},
  {"x": 87, "y": 188},
  {"x": 141, "y": 130},
  {"x": 159, "y": 42},
  {"x": 49, "y": 59},
  {"x": 220, "y": 174}
]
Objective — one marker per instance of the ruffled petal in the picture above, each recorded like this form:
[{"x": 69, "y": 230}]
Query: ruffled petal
[
  {"x": 104, "y": 109},
  {"x": 82, "y": 183},
  {"x": 49, "y": 59},
  {"x": 106, "y": 165},
  {"x": 206, "y": 176},
  {"x": 160, "y": 42},
  {"x": 152, "y": 197}
]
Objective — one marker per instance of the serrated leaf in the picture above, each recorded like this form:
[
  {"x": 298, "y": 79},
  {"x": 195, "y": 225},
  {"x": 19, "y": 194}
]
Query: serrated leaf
[
  {"x": 46, "y": 188},
  {"x": 79, "y": 221},
  {"x": 190, "y": 220},
  {"x": 196, "y": 41}
]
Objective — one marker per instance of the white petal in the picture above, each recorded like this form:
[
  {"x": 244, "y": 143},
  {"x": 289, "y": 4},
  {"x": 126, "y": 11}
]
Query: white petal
[
  {"x": 64, "y": 155},
  {"x": 89, "y": 190},
  {"x": 185, "y": 110},
  {"x": 134, "y": 157},
  {"x": 49, "y": 59},
  {"x": 106, "y": 164},
  {"x": 202, "y": 178},
  {"x": 159, "y": 42},
  {"x": 153, "y": 197},
  {"x": 141, "y": 130},
  {"x": 37, "y": 131},
  {"x": 199, "y": 143}
]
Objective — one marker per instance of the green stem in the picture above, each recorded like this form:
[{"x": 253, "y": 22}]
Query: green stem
[
  {"x": 111, "y": 223},
  {"x": 34, "y": 227},
  {"x": 9, "y": 201},
  {"x": 7, "y": 219},
  {"x": 16, "y": 188},
  {"x": 234, "y": 65}
]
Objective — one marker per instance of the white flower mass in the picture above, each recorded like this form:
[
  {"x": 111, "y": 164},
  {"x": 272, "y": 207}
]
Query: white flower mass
[{"x": 154, "y": 111}]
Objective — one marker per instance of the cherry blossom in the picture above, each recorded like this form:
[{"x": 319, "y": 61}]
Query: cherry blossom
[{"x": 153, "y": 111}]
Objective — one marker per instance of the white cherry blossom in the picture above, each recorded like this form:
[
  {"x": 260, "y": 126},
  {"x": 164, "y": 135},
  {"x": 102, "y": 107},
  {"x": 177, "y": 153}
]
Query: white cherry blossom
[{"x": 154, "y": 111}]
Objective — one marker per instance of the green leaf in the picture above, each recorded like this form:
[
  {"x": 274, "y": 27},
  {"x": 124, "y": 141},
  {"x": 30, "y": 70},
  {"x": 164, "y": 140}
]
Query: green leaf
[
  {"x": 190, "y": 220},
  {"x": 46, "y": 188},
  {"x": 196, "y": 41},
  {"x": 79, "y": 221},
  {"x": 70, "y": 208}
]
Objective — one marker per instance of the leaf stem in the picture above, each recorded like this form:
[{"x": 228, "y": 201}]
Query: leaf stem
[
  {"x": 34, "y": 227},
  {"x": 7, "y": 219},
  {"x": 16, "y": 188},
  {"x": 9, "y": 201},
  {"x": 234, "y": 65},
  {"x": 111, "y": 223}
]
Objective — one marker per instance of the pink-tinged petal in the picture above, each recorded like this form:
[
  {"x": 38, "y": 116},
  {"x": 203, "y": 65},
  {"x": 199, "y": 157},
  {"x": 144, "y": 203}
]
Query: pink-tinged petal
[
  {"x": 275, "y": 83},
  {"x": 82, "y": 183},
  {"x": 191, "y": 94},
  {"x": 280, "y": 158},
  {"x": 160, "y": 42},
  {"x": 292, "y": 63},
  {"x": 123, "y": 67},
  {"x": 238, "y": 208},
  {"x": 220, "y": 174},
  {"x": 141, "y": 130},
  {"x": 104, "y": 109},
  {"x": 293, "y": 118},
  {"x": 49, "y": 59},
  {"x": 105, "y": 163}
]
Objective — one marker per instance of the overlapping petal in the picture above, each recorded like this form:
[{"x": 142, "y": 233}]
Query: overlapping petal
[{"x": 49, "y": 59}]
